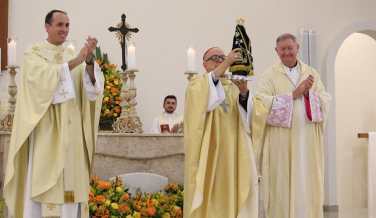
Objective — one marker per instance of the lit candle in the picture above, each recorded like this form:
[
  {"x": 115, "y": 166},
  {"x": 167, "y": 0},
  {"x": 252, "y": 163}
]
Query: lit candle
[
  {"x": 191, "y": 66},
  {"x": 71, "y": 45},
  {"x": 12, "y": 51},
  {"x": 132, "y": 55}
]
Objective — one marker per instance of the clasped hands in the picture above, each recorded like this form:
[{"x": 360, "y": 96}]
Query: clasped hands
[
  {"x": 175, "y": 128},
  {"x": 303, "y": 88}
]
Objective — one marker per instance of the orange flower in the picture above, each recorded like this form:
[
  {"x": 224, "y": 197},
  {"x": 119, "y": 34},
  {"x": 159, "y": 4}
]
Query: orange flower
[
  {"x": 117, "y": 110},
  {"x": 106, "y": 66},
  {"x": 179, "y": 213},
  {"x": 110, "y": 84},
  {"x": 126, "y": 197},
  {"x": 91, "y": 197},
  {"x": 123, "y": 208},
  {"x": 99, "y": 62},
  {"x": 113, "y": 90},
  {"x": 151, "y": 211},
  {"x": 119, "y": 98},
  {"x": 102, "y": 185},
  {"x": 100, "y": 198},
  {"x": 113, "y": 66},
  {"x": 149, "y": 203}
]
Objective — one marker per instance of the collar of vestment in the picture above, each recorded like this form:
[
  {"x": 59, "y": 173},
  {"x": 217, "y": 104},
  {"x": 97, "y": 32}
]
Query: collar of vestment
[
  {"x": 50, "y": 52},
  {"x": 302, "y": 67}
]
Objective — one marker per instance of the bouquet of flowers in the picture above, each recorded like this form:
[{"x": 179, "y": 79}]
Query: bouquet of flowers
[
  {"x": 112, "y": 200},
  {"x": 111, "y": 108}
]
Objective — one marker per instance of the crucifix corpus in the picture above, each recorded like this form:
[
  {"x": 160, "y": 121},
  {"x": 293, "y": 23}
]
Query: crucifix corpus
[{"x": 123, "y": 32}]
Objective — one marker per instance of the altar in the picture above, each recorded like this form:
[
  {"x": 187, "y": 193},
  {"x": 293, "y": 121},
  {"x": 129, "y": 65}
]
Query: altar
[{"x": 122, "y": 153}]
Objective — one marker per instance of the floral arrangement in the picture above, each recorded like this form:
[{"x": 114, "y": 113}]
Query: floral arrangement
[
  {"x": 111, "y": 108},
  {"x": 1, "y": 206},
  {"x": 112, "y": 200}
]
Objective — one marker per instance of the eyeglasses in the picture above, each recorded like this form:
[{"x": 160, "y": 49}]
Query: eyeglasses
[{"x": 216, "y": 58}]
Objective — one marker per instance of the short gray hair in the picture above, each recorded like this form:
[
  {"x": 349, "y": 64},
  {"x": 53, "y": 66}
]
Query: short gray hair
[{"x": 285, "y": 36}]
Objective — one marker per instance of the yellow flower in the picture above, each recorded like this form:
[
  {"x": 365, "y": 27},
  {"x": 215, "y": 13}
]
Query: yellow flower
[
  {"x": 176, "y": 207},
  {"x": 114, "y": 206},
  {"x": 115, "y": 114},
  {"x": 155, "y": 202},
  {"x": 95, "y": 207},
  {"x": 92, "y": 190},
  {"x": 166, "y": 215},
  {"x": 129, "y": 216},
  {"x": 108, "y": 87},
  {"x": 117, "y": 102},
  {"x": 106, "y": 111},
  {"x": 107, "y": 202},
  {"x": 119, "y": 189},
  {"x": 106, "y": 98},
  {"x": 112, "y": 191},
  {"x": 136, "y": 214},
  {"x": 148, "y": 197}
]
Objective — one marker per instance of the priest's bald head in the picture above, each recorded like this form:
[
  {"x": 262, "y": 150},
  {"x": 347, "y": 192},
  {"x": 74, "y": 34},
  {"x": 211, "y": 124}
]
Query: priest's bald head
[
  {"x": 212, "y": 58},
  {"x": 287, "y": 49},
  {"x": 57, "y": 27}
]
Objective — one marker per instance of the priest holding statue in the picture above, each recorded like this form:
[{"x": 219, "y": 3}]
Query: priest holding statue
[
  {"x": 55, "y": 127},
  {"x": 221, "y": 178}
]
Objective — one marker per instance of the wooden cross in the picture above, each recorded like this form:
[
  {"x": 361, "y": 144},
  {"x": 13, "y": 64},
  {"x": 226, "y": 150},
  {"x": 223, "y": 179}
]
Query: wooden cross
[
  {"x": 224, "y": 106},
  {"x": 124, "y": 32},
  {"x": 63, "y": 93},
  {"x": 51, "y": 207},
  {"x": 62, "y": 80}
]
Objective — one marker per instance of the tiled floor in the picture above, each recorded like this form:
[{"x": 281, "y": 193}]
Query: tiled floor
[{"x": 353, "y": 213}]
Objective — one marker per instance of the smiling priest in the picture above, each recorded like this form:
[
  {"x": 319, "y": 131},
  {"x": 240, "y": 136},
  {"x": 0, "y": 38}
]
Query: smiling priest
[{"x": 55, "y": 127}]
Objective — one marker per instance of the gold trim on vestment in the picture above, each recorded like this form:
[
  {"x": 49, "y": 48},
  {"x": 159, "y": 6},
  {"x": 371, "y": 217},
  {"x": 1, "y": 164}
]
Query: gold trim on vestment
[{"x": 69, "y": 196}]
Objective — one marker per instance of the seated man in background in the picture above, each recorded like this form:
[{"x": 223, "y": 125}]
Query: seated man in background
[{"x": 168, "y": 121}]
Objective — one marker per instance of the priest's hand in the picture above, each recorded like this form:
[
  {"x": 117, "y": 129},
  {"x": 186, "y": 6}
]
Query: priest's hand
[
  {"x": 91, "y": 44},
  {"x": 175, "y": 128},
  {"x": 241, "y": 84},
  {"x": 308, "y": 82},
  {"x": 232, "y": 57},
  {"x": 79, "y": 59},
  {"x": 302, "y": 89}
]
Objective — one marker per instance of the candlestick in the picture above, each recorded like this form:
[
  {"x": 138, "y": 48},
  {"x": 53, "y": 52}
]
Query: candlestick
[
  {"x": 191, "y": 66},
  {"x": 132, "y": 55},
  {"x": 71, "y": 44},
  {"x": 12, "y": 51}
]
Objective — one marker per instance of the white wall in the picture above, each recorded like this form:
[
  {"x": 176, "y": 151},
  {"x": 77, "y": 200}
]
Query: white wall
[
  {"x": 356, "y": 113},
  {"x": 168, "y": 26}
]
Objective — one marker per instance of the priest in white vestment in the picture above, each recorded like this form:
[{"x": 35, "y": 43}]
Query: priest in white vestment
[
  {"x": 55, "y": 126},
  {"x": 169, "y": 120},
  {"x": 220, "y": 177},
  {"x": 292, "y": 157}
]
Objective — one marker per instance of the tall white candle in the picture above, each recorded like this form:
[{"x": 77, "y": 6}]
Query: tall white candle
[
  {"x": 191, "y": 65},
  {"x": 132, "y": 56},
  {"x": 12, "y": 51}
]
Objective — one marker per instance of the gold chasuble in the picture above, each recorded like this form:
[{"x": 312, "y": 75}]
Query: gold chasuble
[
  {"x": 292, "y": 160},
  {"x": 220, "y": 178},
  {"x": 63, "y": 132}
]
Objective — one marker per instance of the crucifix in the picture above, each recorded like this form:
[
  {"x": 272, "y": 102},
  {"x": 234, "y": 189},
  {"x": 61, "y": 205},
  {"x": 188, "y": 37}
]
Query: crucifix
[
  {"x": 224, "y": 106},
  {"x": 123, "y": 33}
]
